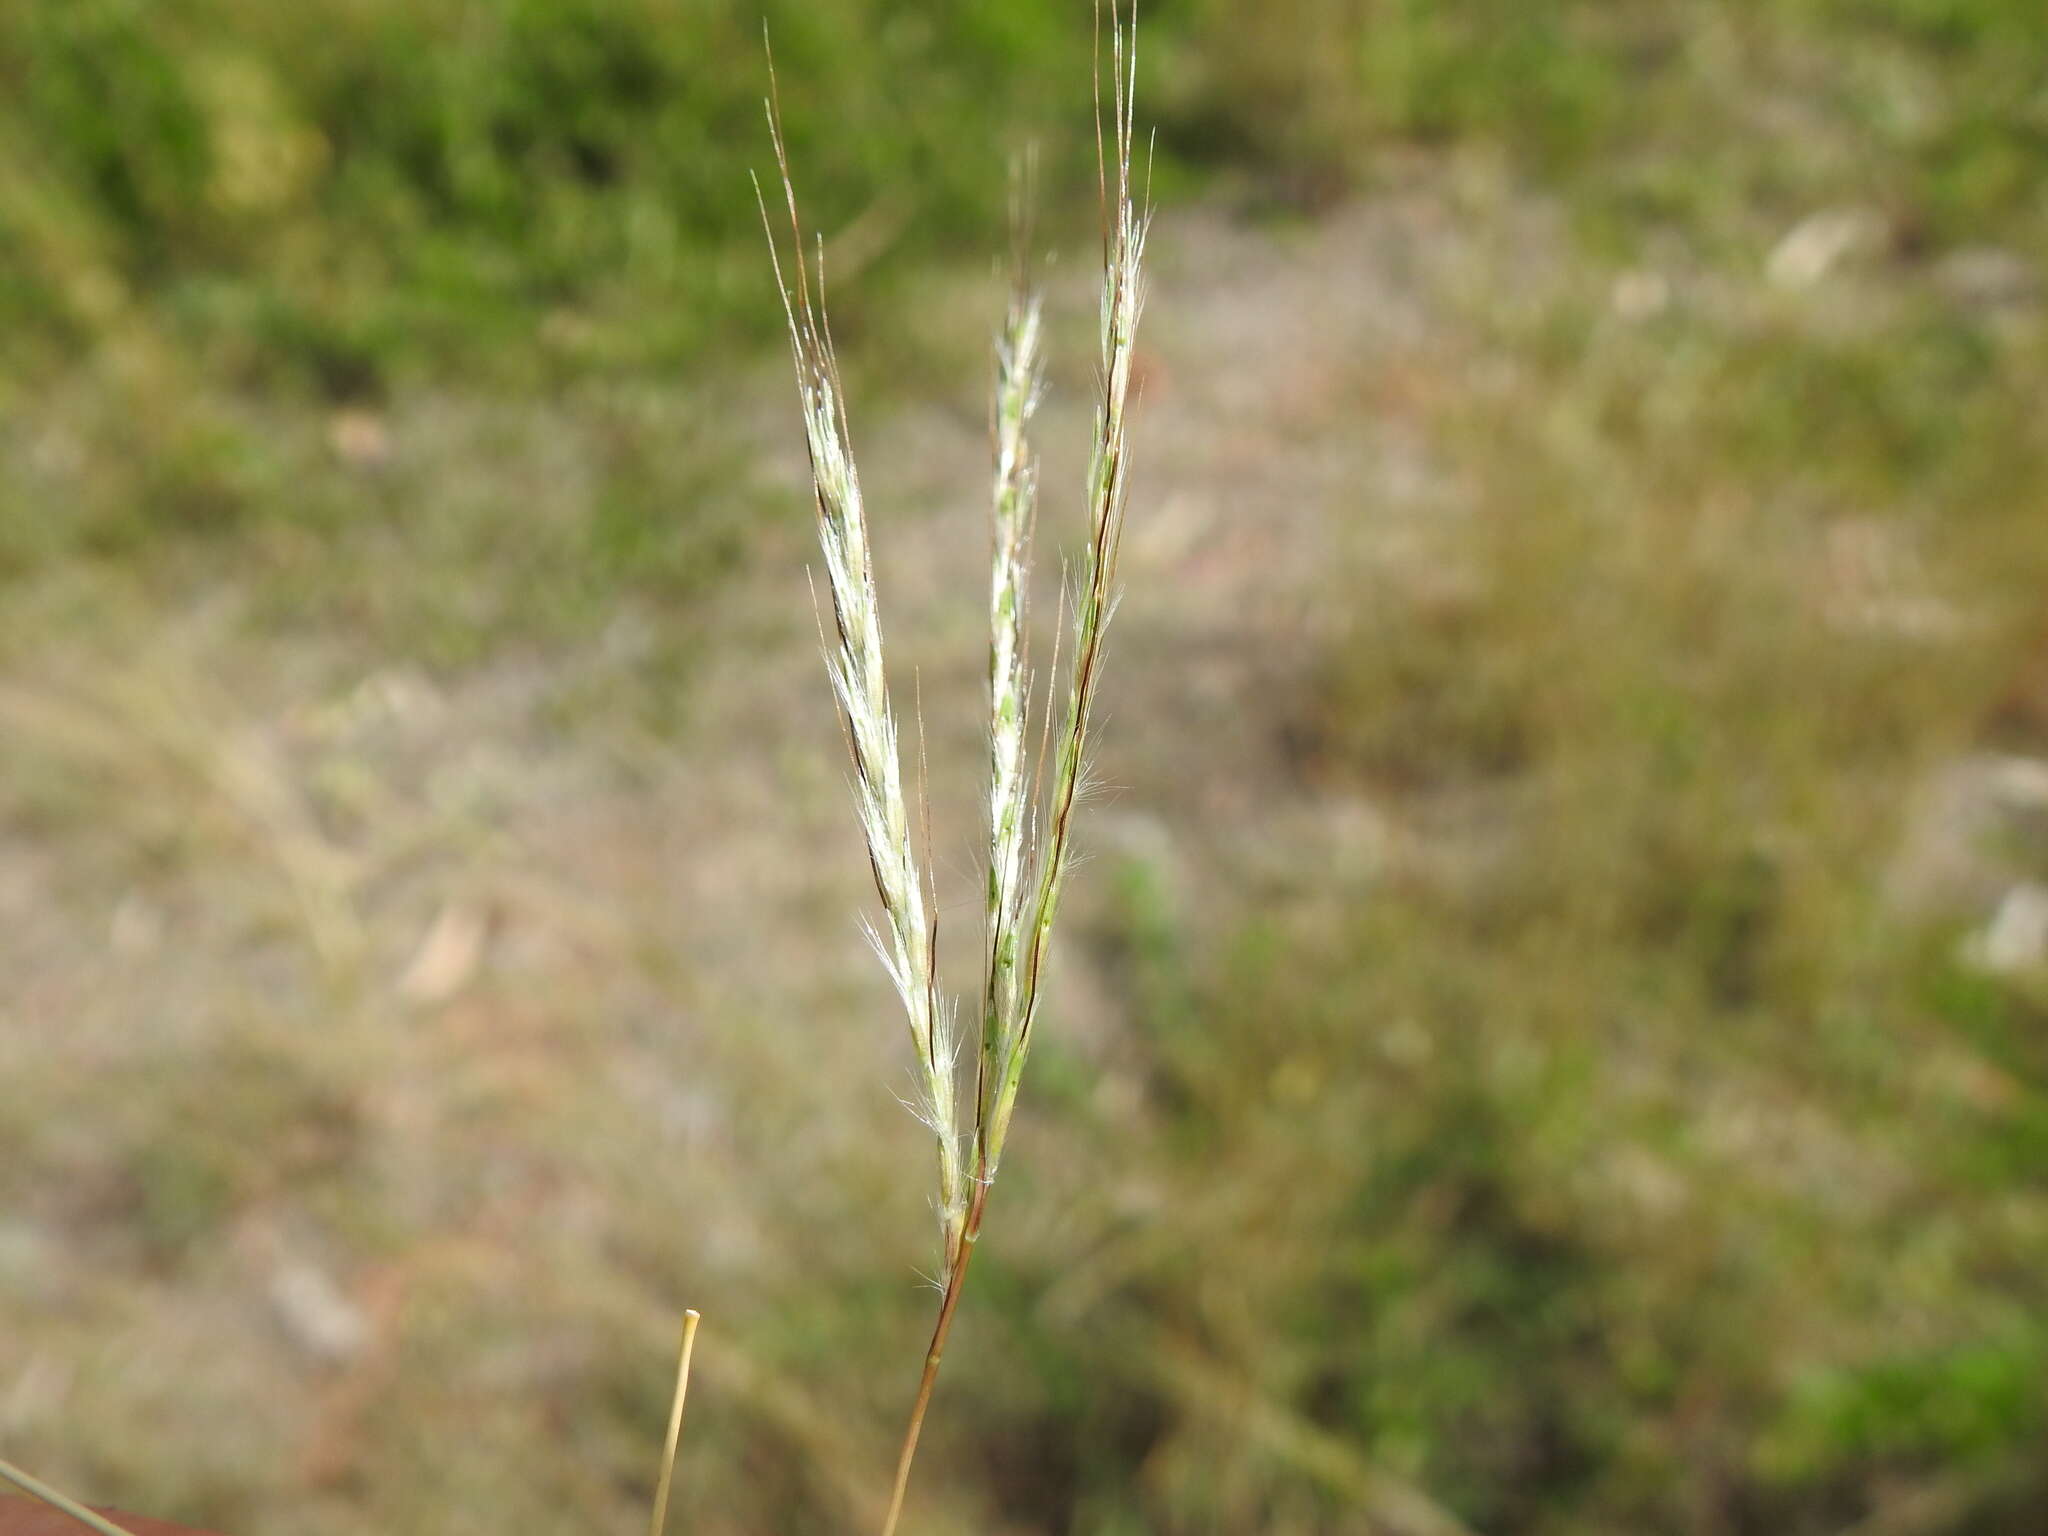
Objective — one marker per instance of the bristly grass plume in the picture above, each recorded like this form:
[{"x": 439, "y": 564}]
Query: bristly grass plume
[
  {"x": 853, "y": 660},
  {"x": 1031, "y": 803}
]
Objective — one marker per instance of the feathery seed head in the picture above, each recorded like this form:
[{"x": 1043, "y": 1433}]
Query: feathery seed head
[
  {"x": 1029, "y": 825},
  {"x": 854, "y": 665}
]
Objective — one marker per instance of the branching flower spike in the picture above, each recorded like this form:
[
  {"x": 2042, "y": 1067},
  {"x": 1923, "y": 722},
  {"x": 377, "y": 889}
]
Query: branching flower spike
[{"x": 1031, "y": 804}]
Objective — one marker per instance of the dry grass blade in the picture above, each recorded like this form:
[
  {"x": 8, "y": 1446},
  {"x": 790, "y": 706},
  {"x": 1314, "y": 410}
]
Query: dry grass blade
[
  {"x": 36, "y": 1488},
  {"x": 675, "y": 1424}
]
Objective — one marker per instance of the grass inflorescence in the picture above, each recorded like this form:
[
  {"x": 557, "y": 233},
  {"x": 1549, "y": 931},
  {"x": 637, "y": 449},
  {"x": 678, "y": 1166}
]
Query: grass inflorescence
[{"x": 1031, "y": 804}]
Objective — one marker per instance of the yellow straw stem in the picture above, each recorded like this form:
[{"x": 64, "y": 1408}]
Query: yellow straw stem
[
  {"x": 675, "y": 1425},
  {"x": 39, "y": 1489}
]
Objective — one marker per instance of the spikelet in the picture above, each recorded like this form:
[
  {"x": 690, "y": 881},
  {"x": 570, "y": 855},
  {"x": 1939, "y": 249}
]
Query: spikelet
[
  {"x": 1019, "y": 376},
  {"x": 1091, "y": 599},
  {"x": 853, "y": 661}
]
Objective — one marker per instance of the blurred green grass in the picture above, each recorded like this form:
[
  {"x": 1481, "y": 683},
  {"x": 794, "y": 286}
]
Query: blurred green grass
[
  {"x": 329, "y": 197},
  {"x": 214, "y": 209},
  {"x": 1659, "y": 1175}
]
